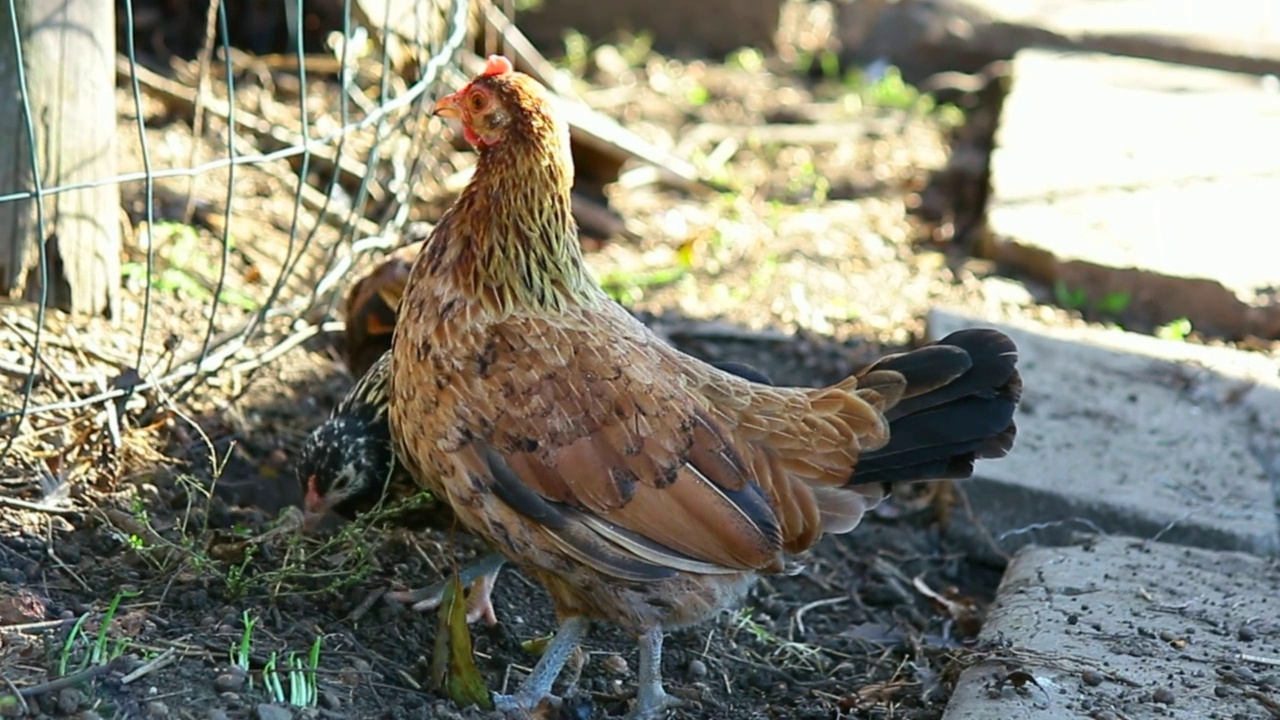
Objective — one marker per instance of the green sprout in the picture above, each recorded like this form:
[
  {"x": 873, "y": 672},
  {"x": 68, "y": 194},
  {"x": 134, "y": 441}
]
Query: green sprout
[
  {"x": 1177, "y": 330},
  {"x": 1114, "y": 303},
  {"x": 240, "y": 652},
  {"x": 102, "y": 650}
]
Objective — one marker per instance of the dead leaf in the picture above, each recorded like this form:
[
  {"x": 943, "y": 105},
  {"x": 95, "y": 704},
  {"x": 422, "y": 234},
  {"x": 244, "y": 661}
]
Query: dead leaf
[{"x": 453, "y": 669}]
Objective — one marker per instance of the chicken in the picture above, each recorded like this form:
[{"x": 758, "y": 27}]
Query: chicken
[
  {"x": 347, "y": 467},
  {"x": 638, "y": 485},
  {"x": 371, "y": 309}
]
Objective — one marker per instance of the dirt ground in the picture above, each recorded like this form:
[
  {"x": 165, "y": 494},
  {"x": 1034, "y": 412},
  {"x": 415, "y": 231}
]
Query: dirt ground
[{"x": 828, "y": 249}]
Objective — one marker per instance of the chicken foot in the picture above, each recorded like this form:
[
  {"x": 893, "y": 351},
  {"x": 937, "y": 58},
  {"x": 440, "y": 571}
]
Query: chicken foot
[
  {"x": 652, "y": 701},
  {"x": 480, "y": 577}
]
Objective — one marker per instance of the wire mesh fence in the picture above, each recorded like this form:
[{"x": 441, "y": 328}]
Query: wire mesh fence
[{"x": 264, "y": 149}]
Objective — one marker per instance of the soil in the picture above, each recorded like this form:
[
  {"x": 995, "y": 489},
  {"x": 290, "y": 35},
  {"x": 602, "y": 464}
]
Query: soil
[{"x": 828, "y": 252}]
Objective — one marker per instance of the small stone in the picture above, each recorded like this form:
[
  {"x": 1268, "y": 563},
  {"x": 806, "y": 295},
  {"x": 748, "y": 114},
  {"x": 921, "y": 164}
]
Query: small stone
[
  {"x": 1072, "y": 619},
  {"x": 88, "y": 715},
  {"x": 697, "y": 668},
  {"x": 69, "y": 700},
  {"x": 329, "y": 701},
  {"x": 615, "y": 664},
  {"x": 1164, "y": 696},
  {"x": 265, "y": 711},
  {"x": 217, "y": 714},
  {"x": 1104, "y": 715},
  {"x": 1247, "y": 633},
  {"x": 1245, "y": 674},
  {"x": 228, "y": 682},
  {"x": 1222, "y": 691},
  {"x": 157, "y": 709},
  {"x": 1092, "y": 678}
]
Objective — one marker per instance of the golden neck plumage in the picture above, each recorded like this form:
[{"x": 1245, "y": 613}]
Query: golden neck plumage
[{"x": 510, "y": 241}]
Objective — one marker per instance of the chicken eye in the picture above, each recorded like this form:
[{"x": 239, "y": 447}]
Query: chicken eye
[{"x": 477, "y": 101}]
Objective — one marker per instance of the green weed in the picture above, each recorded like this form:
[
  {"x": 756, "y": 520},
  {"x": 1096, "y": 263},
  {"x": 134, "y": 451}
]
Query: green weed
[
  {"x": 1177, "y": 330},
  {"x": 1069, "y": 297},
  {"x": 101, "y": 650}
]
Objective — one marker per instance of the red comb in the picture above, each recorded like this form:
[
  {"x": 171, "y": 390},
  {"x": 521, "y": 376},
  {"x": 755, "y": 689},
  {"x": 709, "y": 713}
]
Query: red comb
[{"x": 497, "y": 65}]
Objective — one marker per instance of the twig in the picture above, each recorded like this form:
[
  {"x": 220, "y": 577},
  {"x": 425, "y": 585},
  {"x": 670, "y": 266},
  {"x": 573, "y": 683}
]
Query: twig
[
  {"x": 42, "y": 625},
  {"x": 35, "y": 351},
  {"x": 158, "y": 662},
  {"x": 284, "y": 346},
  {"x": 70, "y": 680},
  {"x": 17, "y": 322},
  {"x": 799, "y": 616},
  {"x": 58, "y": 561},
  {"x": 365, "y": 605},
  {"x": 21, "y": 700},
  {"x": 1260, "y": 659},
  {"x": 35, "y": 507},
  {"x": 197, "y": 112},
  {"x": 175, "y": 94},
  {"x": 1271, "y": 705}
]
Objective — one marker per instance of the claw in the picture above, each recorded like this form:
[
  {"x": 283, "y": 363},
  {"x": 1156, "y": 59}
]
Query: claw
[
  {"x": 524, "y": 705},
  {"x": 481, "y": 576}
]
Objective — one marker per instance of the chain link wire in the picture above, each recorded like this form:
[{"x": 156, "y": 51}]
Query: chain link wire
[{"x": 357, "y": 155}]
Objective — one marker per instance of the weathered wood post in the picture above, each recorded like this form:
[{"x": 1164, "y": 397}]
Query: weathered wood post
[{"x": 68, "y": 52}]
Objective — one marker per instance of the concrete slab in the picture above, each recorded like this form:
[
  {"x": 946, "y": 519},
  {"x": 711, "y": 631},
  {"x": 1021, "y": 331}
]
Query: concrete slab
[
  {"x": 1126, "y": 433},
  {"x": 928, "y": 36},
  {"x": 1134, "y": 163},
  {"x": 1123, "y": 628},
  {"x": 1247, "y": 29}
]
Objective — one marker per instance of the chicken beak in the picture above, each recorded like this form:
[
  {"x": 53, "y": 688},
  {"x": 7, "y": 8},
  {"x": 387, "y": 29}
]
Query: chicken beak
[
  {"x": 315, "y": 509},
  {"x": 447, "y": 107}
]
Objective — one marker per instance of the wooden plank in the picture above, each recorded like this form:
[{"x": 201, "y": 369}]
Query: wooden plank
[{"x": 68, "y": 51}]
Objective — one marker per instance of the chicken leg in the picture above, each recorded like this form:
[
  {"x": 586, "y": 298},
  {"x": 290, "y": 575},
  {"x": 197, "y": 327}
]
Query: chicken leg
[
  {"x": 537, "y": 686},
  {"x": 652, "y": 701},
  {"x": 480, "y": 577}
]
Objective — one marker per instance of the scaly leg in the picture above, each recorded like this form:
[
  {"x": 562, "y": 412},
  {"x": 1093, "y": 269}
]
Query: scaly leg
[
  {"x": 538, "y": 685},
  {"x": 480, "y": 576},
  {"x": 652, "y": 701}
]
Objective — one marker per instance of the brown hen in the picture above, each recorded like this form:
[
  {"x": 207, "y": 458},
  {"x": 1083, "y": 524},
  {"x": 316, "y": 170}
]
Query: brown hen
[{"x": 641, "y": 486}]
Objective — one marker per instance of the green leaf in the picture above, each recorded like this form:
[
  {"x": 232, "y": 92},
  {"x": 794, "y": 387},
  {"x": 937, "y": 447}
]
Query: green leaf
[
  {"x": 1114, "y": 303},
  {"x": 453, "y": 667}
]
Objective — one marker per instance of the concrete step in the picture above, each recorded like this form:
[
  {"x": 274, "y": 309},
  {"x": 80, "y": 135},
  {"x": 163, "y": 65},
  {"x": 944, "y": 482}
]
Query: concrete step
[
  {"x": 1116, "y": 627},
  {"x": 1134, "y": 164},
  {"x": 926, "y": 36},
  {"x": 1126, "y": 433}
]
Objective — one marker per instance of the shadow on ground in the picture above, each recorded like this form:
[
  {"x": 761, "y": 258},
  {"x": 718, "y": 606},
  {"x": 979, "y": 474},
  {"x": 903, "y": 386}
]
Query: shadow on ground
[{"x": 834, "y": 637}]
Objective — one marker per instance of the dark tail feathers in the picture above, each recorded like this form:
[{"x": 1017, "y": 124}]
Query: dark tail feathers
[
  {"x": 958, "y": 407},
  {"x": 961, "y": 395}
]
